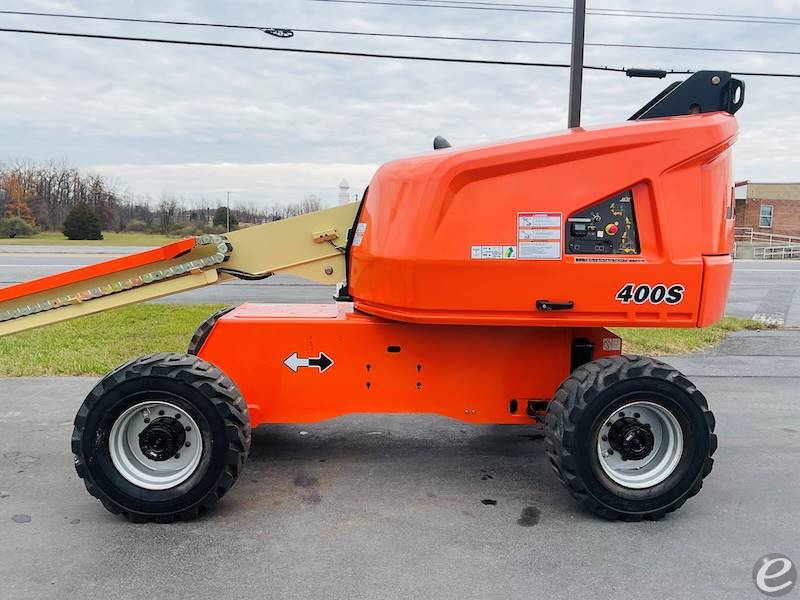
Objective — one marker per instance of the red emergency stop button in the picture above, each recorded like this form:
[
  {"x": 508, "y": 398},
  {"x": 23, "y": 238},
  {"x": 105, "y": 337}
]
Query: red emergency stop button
[{"x": 612, "y": 229}]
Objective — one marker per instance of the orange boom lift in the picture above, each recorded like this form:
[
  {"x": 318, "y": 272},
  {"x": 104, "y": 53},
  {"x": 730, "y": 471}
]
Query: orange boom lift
[{"x": 477, "y": 283}]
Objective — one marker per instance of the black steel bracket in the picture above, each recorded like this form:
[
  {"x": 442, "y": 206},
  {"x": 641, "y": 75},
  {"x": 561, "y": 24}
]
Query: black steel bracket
[
  {"x": 343, "y": 291},
  {"x": 582, "y": 353},
  {"x": 702, "y": 92}
]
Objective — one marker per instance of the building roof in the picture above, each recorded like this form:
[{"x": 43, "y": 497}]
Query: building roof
[
  {"x": 749, "y": 182},
  {"x": 773, "y": 191}
]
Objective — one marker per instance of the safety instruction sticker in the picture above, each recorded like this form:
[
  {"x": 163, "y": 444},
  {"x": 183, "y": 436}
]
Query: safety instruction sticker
[
  {"x": 499, "y": 252},
  {"x": 539, "y": 235}
]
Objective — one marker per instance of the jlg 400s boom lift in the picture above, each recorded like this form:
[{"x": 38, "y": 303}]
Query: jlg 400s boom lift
[{"x": 478, "y": 285}]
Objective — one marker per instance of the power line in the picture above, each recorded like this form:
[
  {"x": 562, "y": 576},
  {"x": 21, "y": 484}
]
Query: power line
[
  {"x": 126, "y": 19},
  {"x": 559, "y": 10},
  {"x": 399, "y": 35},
  {"x": 547, "y": 42},
  {"x": 623, "y": 10},
  {"x": 474, "y": 61},
  {"x": 756, "y": 74},
  {"x": 477, "y": 61},
  {"x": 455, "y": 4}
]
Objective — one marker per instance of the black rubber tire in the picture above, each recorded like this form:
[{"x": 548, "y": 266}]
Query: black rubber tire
[
  {"x": 201, "y": 333},
  {"x": 206, "y": 394},
  {"x": 577, "y": 413}
]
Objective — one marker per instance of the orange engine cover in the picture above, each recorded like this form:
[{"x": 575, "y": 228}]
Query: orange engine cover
[{"x": 481, "y": 235}]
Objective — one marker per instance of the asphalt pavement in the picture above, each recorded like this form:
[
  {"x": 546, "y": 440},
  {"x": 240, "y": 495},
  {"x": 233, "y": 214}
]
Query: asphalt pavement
[
  {"x": 411, "y": 506},
  {"x": 766, "y": 290}
]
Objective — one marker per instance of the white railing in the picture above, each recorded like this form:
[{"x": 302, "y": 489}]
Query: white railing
[
  {"x": 777, "y": 252},
  {"x": 748, "y": 234}
]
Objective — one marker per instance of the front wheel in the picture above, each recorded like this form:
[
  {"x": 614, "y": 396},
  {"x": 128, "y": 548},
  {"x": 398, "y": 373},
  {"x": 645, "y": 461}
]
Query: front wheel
[
  {"x": 630, "y": 437},
  {"x": 162, "y": 437}
]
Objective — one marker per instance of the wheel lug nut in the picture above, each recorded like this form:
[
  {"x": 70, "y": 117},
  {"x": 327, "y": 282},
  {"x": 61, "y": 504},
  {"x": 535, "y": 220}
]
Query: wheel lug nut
[
  {"x": 610, "y": 452},
  {"x": 178, "y": 416},
  {"x": 161, "y": 413},
  {"x": 604, "y": 438},
  {"x": 147, "y": 419},
  {"x": 636, "y": 415},
  {"x": 647, "y": 425},
  {"x": 188, "y": 444},
  {"x": 621, "y": 414},
  {"x": 177, "y": 455},
  {"x": 188, "y": 428}
]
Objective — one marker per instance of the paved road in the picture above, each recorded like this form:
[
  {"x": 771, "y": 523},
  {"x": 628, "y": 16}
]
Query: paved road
[
  {"x": 767, "y": 290},
  {"x": 21, "y": 263},
  {"x": 391, "y": 507}
]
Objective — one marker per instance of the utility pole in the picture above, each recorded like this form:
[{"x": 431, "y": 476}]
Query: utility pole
[
  {"x": 228, "y": 212},
  {"x": 576, "y": 64}
]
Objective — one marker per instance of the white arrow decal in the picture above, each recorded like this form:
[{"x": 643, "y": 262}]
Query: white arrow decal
[
  {"x": 294, "y": 362},
  {"x": 323, "y": 362}
]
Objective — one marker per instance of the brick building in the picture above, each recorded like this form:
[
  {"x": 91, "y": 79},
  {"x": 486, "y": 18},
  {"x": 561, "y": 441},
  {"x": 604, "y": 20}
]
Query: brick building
[{"x": 768, "y": 207}]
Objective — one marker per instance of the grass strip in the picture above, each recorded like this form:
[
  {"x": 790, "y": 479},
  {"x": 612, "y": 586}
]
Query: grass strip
[{"x": 96, "y": 344}]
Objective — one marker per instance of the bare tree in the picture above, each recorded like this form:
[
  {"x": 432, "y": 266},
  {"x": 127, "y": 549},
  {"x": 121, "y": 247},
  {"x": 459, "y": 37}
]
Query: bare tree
[
  {"x": 167, "y": 209},
  {"x": 51, "y": 189}
]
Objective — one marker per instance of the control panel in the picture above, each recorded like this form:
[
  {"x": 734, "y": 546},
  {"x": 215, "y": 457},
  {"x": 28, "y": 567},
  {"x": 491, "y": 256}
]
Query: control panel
[{"x": 608, "y": 227}]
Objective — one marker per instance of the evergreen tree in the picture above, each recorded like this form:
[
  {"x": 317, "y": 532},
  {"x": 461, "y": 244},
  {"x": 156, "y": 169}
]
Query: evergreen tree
[
  {"x": 221, "y": 218},
  {"x": 82, "y": 223}
]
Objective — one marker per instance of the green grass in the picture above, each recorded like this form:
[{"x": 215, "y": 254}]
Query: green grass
[
  {"x": 96, "y": 344},
  {"x": 110, "y": 238},
  {"x": 641, "y": 340}
]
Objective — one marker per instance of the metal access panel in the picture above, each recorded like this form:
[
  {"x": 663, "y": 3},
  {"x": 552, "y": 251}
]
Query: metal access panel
[{"x": 608, "y": 227}]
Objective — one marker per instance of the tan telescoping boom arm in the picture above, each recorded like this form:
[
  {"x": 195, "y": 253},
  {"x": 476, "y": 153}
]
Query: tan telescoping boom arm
[{"x": 311, "y": 246}]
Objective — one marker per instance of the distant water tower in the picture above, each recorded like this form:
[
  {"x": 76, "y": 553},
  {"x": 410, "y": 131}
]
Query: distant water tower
[{"x": 344, "y": 192}]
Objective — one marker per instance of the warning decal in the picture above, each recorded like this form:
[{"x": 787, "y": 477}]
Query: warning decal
[
  {"x": 539, "y": 235},
  {"x": 484, "y": 252}
]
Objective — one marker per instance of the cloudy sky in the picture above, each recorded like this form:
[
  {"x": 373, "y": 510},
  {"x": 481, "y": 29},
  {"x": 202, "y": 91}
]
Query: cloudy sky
[{"x": 270, "y": 126}]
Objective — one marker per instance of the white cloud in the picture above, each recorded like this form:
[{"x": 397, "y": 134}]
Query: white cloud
[
  {"x": 262, "y": 183},
  {"x": 197, "y": 122}
]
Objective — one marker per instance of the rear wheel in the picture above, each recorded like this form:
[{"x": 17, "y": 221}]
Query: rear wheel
[
  {"x": 162, "y": 437},
  {"x": 630, "y": 437}
]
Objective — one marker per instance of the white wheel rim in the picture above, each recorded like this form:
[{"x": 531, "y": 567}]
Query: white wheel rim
[
  {"x": 142, "y": 471},
  {"x": 659, "y": 463}
]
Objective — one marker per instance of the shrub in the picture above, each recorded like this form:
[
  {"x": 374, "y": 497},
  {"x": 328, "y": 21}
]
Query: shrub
[
  {"x": 187, "y": 231},
  {"x": 16, "y": 227},
  {"x": 136, "y": 225},
  {"x": 82, "y": 223}
]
